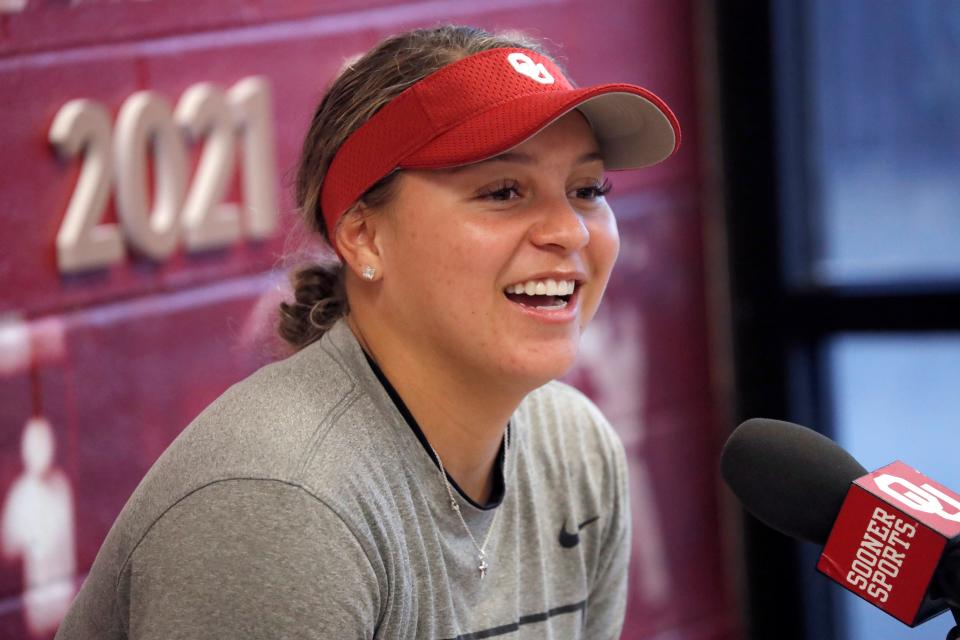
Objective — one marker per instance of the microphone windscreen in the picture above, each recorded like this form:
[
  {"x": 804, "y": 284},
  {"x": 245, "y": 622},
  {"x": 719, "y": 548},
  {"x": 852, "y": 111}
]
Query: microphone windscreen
[{"x": 790, "y": 477}]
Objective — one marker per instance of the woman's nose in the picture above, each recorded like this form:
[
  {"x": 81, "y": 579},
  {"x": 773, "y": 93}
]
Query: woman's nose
[{"x": 560, "y": 225}]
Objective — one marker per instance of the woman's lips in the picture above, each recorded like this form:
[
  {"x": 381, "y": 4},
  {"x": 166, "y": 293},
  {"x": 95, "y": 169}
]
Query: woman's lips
[{"x": 545, "y": 308}]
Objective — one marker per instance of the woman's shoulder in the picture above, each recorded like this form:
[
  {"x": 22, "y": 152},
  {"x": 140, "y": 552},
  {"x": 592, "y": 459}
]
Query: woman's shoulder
[
  {"x": 272, "y": 425},
  {"x": 272, "y": 414},
  {"x": 291, "y": 427},
  {"x": 310, "y": 407},
  {"x": 305, "y": 382}
]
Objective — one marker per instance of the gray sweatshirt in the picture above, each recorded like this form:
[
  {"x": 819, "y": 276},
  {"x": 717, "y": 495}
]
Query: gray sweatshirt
[{"x": 301, "y": 504}]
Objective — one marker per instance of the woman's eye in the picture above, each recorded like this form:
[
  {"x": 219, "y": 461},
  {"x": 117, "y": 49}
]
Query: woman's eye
[
  {"x": 594, "y": 192},
  {"x": 502, "y": 192},
  {"x": 511, "y": 190}
]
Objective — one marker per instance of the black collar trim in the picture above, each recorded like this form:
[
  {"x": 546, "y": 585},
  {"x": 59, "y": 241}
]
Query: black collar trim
[{"x": 499, "y": 488}]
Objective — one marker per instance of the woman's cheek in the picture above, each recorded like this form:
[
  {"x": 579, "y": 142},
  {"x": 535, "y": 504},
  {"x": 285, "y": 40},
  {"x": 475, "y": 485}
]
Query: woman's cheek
[
  {"x": 603, "y": 248},
  {"x": 605, "y": 245}
]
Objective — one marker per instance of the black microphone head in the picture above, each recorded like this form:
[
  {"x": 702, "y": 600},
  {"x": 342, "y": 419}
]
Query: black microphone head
[{"x": 790, "y": 477}]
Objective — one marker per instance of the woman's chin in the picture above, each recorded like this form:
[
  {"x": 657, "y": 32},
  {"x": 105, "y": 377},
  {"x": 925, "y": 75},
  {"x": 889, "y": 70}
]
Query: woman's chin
[{"x": 535, "y": 367}]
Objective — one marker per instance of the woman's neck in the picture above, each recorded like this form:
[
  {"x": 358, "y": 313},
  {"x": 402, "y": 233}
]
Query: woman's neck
[{"x": 462, "y": 417}]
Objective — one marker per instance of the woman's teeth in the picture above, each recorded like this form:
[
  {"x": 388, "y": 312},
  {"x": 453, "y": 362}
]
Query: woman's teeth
[
  {"x": 548, "y": 295},
  {"x": 543, "y": 287}
]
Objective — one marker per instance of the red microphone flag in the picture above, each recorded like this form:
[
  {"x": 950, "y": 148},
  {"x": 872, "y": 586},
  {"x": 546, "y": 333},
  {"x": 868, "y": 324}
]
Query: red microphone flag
[{"x": 889, "y": 538}]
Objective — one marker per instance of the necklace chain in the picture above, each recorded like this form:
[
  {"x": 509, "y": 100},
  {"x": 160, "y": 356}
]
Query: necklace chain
[{"x": 482, "y": 565}]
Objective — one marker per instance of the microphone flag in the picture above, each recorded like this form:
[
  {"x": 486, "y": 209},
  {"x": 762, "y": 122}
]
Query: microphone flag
[{"x": 893, "y": 530}]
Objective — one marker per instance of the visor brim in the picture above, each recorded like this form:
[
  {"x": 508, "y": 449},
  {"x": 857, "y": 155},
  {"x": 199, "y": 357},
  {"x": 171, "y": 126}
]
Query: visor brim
[{"x": 633, "y": 127}]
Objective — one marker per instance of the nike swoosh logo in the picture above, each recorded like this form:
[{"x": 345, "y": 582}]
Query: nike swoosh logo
[{"x": 569, "y": 540}]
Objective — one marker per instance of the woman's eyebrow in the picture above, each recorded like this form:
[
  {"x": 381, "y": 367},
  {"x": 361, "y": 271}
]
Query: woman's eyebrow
[{"x": 524, "y": 158}]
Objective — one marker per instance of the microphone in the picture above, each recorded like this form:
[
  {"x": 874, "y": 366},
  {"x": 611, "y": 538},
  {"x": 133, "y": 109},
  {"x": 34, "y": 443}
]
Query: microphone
[{"x": 892, "y": 537}]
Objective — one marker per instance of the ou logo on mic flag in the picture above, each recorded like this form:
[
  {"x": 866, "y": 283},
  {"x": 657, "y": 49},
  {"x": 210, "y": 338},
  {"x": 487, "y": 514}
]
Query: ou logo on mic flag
[
  {"x": 926, "y": 498},
  {"x": 524, "y": 65},
  {"x": 888, "y": 540}
]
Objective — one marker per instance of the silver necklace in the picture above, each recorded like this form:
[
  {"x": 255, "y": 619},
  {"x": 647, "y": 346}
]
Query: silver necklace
[{"x": 482, "y": 565}]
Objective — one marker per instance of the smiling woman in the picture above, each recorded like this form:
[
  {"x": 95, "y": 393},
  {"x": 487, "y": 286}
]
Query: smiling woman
[
  {"x": 525, "y": 219},
  {"x": 413, "y": 470}
]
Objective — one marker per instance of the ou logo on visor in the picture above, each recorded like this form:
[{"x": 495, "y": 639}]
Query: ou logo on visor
[
  {"x": 534, "y": 70},
  {"x": 924, "y": 498}
]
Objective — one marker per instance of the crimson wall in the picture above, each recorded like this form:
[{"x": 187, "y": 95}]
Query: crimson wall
[{"x": 101, "y": 366}]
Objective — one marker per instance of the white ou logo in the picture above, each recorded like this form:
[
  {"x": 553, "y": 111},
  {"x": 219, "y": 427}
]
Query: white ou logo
[
  {"x": 534, "y": 70},
  {"x": 925, "y": 498}
]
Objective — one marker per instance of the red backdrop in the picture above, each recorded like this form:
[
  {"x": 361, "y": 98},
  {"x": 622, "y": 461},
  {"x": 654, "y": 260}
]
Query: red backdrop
[{"x": 120, "y": 358}]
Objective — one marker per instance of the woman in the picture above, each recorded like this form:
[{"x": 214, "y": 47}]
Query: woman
[{"x": 412, "y": 471}]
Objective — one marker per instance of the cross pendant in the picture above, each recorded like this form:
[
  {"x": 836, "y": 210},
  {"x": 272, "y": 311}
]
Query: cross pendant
[{"x": 483, "y": 568}]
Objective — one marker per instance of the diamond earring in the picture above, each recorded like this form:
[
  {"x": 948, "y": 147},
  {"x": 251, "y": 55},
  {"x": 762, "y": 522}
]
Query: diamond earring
[{"x": 368, "y": 272}]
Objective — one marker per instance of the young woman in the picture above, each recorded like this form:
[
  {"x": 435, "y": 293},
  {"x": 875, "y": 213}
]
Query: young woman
[{"x": 412, "y": 471}]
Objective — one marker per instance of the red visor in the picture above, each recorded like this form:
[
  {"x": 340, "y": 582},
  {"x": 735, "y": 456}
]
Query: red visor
[{"x": 483, "y": 105}]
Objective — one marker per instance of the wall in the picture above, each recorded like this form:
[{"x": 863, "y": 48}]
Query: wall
[{"x": 107, "y": 364}]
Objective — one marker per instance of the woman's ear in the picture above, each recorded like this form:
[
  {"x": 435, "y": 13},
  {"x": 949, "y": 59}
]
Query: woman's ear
[{"x": 356, "y": 239}]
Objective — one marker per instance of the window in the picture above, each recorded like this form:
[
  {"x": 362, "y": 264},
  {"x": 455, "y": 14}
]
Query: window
[
  {"x": 841, "y": 155},
  {"x": 895, "y": 397}
]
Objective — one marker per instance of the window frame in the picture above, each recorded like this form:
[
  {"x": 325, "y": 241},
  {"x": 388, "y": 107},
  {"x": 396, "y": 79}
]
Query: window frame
[{"x": 781, "y": 319}]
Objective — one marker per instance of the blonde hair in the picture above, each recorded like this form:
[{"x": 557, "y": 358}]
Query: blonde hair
[{"x": 363, "y": 87}]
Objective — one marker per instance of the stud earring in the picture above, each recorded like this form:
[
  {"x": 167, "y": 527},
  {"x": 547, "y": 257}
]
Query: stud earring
[{"x": 368, "y": 272}]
